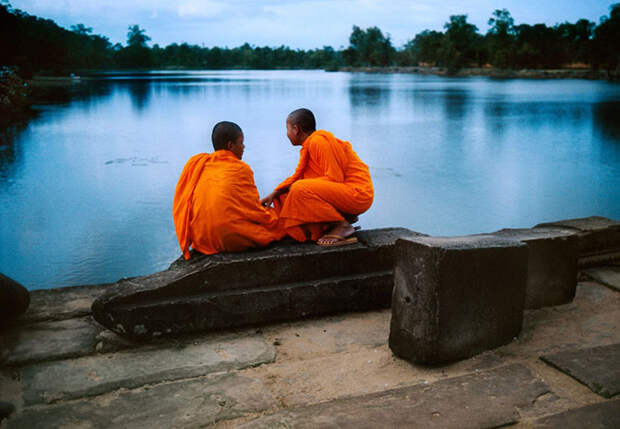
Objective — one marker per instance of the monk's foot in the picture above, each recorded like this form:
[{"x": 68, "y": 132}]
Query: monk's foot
[{"x": 339, "y": 235}]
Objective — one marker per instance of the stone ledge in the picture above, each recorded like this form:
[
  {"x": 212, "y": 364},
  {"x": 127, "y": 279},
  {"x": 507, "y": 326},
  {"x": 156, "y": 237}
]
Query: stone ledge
[
  {"x": 285, "y": 281},
  {"x": 552, "y": 265},
  {"x": 598, "y": 238},
  {"x": 455, "y": 297}
]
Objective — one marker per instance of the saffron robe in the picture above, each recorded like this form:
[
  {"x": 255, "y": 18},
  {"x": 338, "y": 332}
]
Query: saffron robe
[
  {"x": 330, "y": 180},
  {"x": 216, "y": 206}
]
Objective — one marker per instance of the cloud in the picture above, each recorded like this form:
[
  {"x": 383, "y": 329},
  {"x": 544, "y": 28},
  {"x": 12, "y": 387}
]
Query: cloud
[{"x": 200, "y": 9}]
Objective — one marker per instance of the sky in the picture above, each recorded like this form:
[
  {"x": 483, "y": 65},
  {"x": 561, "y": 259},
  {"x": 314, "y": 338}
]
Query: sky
[{"x": 303, "y": 24}]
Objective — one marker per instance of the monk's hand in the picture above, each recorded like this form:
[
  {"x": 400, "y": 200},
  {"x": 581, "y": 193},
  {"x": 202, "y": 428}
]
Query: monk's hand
[{"x": 268, "y": 200}]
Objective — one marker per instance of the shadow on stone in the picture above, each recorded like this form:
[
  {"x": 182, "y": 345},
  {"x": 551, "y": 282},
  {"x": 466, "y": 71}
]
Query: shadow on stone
[{"x": 14, "y": 300}]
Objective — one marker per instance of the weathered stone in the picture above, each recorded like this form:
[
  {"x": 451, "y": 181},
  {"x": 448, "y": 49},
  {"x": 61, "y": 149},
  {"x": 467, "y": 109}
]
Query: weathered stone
[
  {"x": 552, "y": 265},
  {"x": 6, "y": 409},
  {"x": 456, "y": 296},
  {"x": 283, "y": 282},
  {"x": 188, "y": 404},
  {"x": 598, "y": 238},
  {"x": 62, "y": 303},
  {"x": 609, "y": 276},
  {"x": 596, "y": 367},
  {"x": 14, "y": 300},
  {"x": 48, "y": 341},
  {"x": 482, "y": 400},
  {"x": 604, "y": 415},
  {"x": 94, "y": 375}
]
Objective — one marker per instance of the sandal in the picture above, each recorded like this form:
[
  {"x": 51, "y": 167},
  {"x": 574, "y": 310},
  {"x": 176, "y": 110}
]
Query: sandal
[{"x": 340, "y": 240}]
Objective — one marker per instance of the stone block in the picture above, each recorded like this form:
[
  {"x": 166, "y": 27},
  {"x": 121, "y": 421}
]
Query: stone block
[
  {"x": 62, "y": 303},
  {"x": 194, "y": 403},
  {"x": 598, "y": 238},
  {"x": 455, "y": 297},
  {"x": 596, "y": 367},
  {"x": 46, "y": 341},
  {"x": 286, "y": 281},
  {"x": 487, "y": 399},
  {"x": 14, "y": 300},
  {"x": 552, "y": 265},
  {"x": 94, "y": 375},
  {"x": 604, "y": 415}
]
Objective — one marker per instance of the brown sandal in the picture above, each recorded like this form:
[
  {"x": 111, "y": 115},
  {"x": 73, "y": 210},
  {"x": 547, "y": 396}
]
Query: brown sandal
[{"x": 340, "y": 240}]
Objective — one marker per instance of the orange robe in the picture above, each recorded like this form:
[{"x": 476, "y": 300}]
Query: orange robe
[
  {"x": 329, "y": 181},
  {"x": 216, "y": 206}
]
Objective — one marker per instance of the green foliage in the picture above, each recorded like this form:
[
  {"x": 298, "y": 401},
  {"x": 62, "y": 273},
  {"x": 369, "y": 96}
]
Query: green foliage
[
  {"x": 369, "y": 48},
  {"x": 460, "y": 46},
  {"x": 606, "y": 39},
  {"x": 32, "y": 44},
  {"x": 13, "y": 92},
  {"x": 501, "y": 40}
]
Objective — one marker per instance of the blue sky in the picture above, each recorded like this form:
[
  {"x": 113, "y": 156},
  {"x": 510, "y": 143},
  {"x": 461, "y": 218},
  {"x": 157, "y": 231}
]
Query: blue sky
[{"x": 296, "y": 23}]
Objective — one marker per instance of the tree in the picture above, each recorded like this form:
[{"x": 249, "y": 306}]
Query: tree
[
  {"x": 576, "y": 40},
  {"x": 137, "y": 36},
  {"x": 423, "y": 48},
  {"x": 606, "y": 37},
  {"x": 461, "y": 44},
  {"x": 136, "y": 54},
  {"x": 81, "y": 29},
  {"x": 369, "y": 48},
  {"x": 501, "y": 39}
]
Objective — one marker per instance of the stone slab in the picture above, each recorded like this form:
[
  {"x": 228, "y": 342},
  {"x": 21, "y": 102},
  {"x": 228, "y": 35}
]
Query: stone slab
[
  {"x": 94, "y": 375},
  {"x": 47, "y": 341},
  {"x": 596, "y": 367},
  {"x": 552, "y": 265},
  {"x": 482, "y": 400},
  {"x": 282, "y": 282},
  {"x": 187, "y": 404},
  {"x": 455, "y": 297},
  {"x": 58, "y": 339},
  {"x": 604, "y": 415},
  {"x": 62, "y": 303},
  {"x": 597, "y": 236},
  {"x": 609, "y": 276}
]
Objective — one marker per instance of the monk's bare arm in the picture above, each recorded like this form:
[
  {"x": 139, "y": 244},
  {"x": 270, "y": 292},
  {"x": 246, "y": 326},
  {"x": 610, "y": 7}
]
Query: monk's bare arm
[{"x": 268, "y": 200}]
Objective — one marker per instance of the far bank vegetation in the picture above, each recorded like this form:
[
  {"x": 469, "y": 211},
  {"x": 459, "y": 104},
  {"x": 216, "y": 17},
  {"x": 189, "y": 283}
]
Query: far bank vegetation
[{"x": 32, "y": 45}]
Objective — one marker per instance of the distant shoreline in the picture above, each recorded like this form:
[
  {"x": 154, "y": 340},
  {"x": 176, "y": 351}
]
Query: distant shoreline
[
  {"x": 565, "y": 73},
  {"x": 581, "y": 73}
]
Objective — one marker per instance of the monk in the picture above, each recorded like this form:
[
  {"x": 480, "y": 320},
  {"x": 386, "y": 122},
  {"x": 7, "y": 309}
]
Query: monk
[
  {"x": 216, "y": 206},
  {"x": 328, "y": 189}
]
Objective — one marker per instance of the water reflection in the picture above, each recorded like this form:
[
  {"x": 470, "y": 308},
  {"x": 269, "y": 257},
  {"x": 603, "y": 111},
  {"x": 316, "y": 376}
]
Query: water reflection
[
  {"x": 606, "y": 117},
  {"x": 140, "y": 92},
  {"x": 366, "y": 92}
]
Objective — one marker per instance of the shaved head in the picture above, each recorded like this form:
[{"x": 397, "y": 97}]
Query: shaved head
[
  {"x": 304, "y": 119},
  {"x": 224, "y": 132}
]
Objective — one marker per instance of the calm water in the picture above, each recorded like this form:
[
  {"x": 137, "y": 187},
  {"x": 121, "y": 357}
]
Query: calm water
[{"x": 86, "y": 186}]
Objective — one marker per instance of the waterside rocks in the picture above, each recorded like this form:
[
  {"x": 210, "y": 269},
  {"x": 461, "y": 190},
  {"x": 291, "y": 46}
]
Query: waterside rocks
[
  {"x": 455, "y": 297},
  {"x": 282, "y": 282},
  {"x": 14, "y": 300}
]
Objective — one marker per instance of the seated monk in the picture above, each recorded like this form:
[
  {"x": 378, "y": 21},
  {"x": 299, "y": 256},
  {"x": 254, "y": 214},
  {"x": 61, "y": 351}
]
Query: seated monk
[
  {"x": 216, "y": 205},
  {"x": 329, "y": 188}
]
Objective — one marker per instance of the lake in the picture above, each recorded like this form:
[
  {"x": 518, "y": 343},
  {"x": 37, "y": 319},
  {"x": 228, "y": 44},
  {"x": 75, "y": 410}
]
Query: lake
[{"x": 86, "y": 186}]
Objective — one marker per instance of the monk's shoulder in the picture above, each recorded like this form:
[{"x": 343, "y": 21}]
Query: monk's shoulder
[
  {"x": 196, "y": 157},
  {"x": 319, "y": 139},
  {"x": 242, "y": 168}
]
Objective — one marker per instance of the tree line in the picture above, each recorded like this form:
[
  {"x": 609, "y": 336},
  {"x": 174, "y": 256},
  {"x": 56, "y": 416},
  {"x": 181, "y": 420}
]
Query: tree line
[{"x": 33, "y": 44}]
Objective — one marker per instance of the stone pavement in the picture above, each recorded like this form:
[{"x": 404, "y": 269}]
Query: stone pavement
[{"x": 62, "y": 370}]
